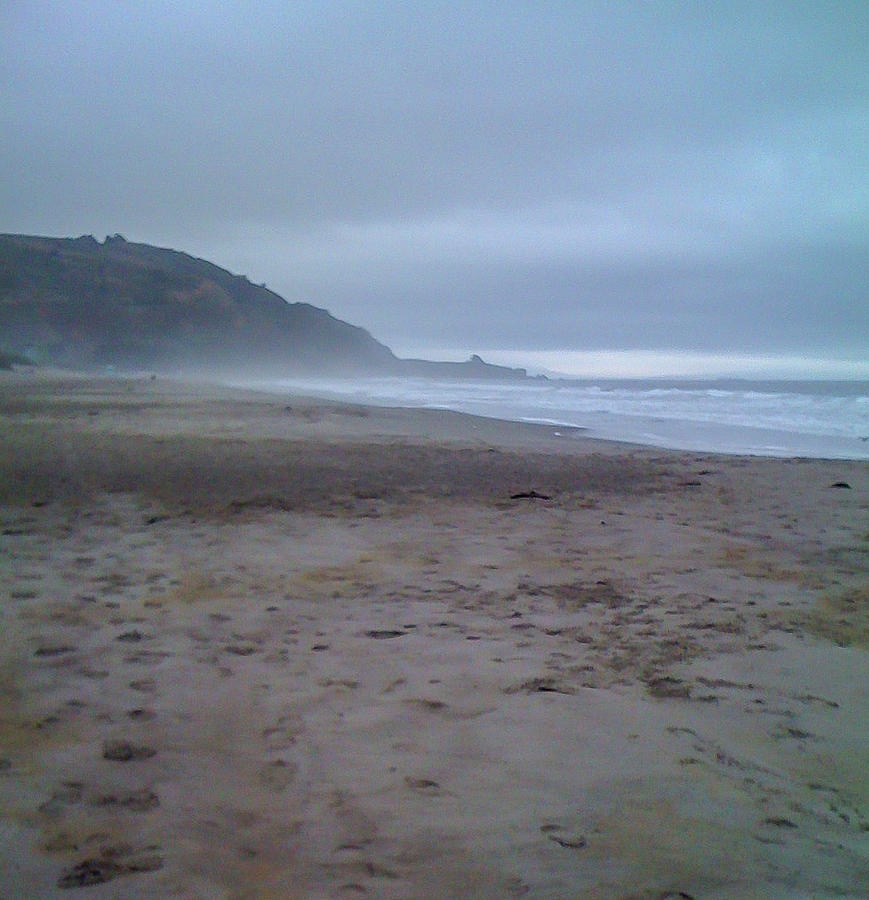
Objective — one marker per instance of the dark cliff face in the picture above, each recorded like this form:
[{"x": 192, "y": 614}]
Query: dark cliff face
[{"x": 82, "y": 303}]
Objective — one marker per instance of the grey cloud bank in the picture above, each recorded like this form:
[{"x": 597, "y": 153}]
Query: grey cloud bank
[{"x": 559, "y": 177}]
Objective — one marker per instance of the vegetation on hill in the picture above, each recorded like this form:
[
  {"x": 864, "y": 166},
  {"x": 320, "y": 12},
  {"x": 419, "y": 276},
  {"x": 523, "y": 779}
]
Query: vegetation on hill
[{"x": 80, "y": 303}]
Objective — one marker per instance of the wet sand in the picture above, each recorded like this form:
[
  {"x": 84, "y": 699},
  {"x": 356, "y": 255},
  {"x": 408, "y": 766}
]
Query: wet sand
[{"x": 274, "y": 647}]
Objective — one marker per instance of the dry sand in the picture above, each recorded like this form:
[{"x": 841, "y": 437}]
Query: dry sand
[{"x": 259, "y": 647}]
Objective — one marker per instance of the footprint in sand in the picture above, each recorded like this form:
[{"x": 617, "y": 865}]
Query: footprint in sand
[
  {"x": 124, "y": 751},
  {"x": 427, "y": 705},
  {"x": 68, "y": 794},
  {"x": 54, "y": 650},
  {"x": 424, "y": 786},
  {"x": 282, "y": 734},
  {"x": 136, "y": 801},
  {"x": 241, "y": 649},
  {"x": 131, "y": 637},
  {"x": 112, "y": 863},
  {"x": 563, "y": 838},
  {"x": 277, "y": 775}
]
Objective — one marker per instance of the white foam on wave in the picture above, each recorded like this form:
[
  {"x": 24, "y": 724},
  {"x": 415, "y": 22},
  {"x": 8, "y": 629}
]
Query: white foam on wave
[{"x": 793, "y": 420}]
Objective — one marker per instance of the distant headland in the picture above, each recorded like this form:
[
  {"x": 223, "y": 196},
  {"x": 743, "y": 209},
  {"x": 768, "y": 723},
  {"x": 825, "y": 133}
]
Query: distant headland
[{"x": 85, "y": 304}]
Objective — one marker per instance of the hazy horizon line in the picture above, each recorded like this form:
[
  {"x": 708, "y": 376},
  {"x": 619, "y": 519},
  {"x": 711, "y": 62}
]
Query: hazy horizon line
[{"x": 653, "y": 363}]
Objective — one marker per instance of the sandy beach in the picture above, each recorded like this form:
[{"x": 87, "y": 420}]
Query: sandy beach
[{"x": 269, "y": 647}]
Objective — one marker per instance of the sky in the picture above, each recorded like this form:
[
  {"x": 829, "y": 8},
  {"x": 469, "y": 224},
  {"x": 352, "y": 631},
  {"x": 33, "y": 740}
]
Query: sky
[{"x": 565, "y": 184}]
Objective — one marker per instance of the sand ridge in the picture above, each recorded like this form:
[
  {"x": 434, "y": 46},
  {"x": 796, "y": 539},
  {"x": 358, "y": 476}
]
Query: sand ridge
[{"x": 280, "y": 648}]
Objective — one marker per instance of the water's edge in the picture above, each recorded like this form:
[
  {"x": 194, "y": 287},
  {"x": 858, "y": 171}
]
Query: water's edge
[{"x": 784, "y": 419}]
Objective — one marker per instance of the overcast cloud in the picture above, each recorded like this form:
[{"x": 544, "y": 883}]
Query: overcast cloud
[{"x": 481, "y": 176}]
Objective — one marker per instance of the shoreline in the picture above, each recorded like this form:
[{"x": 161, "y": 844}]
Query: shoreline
[
  {"x": 695, "y": 429},
  {"x": 333, "y": 641},
  {"x": 605, "y": 429}
]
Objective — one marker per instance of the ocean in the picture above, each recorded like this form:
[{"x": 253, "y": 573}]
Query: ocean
[{"x": 821, "y": 419}]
